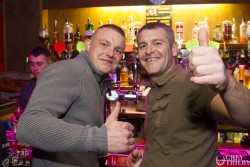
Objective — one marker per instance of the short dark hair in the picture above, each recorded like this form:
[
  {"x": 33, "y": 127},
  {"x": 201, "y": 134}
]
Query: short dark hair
[
  {"x": 113, "y": 27},
  {"x": 155, "y": 25},
  {"x": 40, "y": 50}
]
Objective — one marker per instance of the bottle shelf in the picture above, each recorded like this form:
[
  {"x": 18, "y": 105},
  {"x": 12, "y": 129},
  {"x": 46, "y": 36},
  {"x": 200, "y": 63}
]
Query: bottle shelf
[
  {"x": 230, "y": 46},
  {"x": 234, "y": 46},
  {"x": 230, "y": 128}
]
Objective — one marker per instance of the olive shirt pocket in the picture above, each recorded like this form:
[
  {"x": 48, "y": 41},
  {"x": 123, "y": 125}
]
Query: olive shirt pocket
[{"x": 159, "y": 113}]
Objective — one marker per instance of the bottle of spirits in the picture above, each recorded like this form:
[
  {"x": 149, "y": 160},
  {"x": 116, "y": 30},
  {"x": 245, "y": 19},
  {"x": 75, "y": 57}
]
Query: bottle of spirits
[
  {"x": 68, "y": 32},
  {"x": 227, "y": 34},
  {"x": 55, "y": 32},
  {"x": 218, "y": 33},
  {"x": 100, "y": 23},
  {"x": 89, "y": 27},
  {"x": 77, "y": 35},
  {"x": 44, "y": 35},
  {"x": 234, "y": 39},
  {"x": 195, "y": 31},
  {"x": 243, "y": 31},
  {"x": 18, "y": 112},
  {"x": 109, "y": 21},
  {"x": 248, "y": 32},
  {"x": 113, "y": 77},
  {"x": 179, "y": 33},
  {"x": 124, "y": 74},
  {"x": 137, "y": 27},
  {"x": 235, "y": 67},
  {"x": 247, "y": 78},
  {"x": 241, "y": 73},
  {"x": 130, "y": 31},
  {"x": 124, "y": 28}
]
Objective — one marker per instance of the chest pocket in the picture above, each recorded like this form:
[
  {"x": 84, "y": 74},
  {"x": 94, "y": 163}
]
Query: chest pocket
[{"x": 159, "y": 114}]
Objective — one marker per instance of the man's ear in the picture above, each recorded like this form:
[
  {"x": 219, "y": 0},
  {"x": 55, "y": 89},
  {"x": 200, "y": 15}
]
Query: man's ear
[
  {"x": 175, "y": 49},
  {"x": 87, "y": 43}
]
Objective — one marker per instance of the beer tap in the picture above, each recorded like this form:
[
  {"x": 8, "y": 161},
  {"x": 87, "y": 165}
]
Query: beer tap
[{"x": 135, "y": 71}]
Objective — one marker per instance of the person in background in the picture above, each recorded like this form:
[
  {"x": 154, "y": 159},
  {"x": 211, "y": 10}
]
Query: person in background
[
  {"x": 64, "y": 121},
  {"x": 184, "y": 106},
  {"x": 38, "y": 60}
]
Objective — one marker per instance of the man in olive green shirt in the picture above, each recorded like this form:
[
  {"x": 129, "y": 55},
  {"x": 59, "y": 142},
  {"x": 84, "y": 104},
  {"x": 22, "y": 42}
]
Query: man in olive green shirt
[{"x": 184, "y": 105}]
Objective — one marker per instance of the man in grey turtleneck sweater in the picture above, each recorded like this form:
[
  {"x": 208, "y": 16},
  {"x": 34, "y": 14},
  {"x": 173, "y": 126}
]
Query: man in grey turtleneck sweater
[{"x": 63, "y": 121}]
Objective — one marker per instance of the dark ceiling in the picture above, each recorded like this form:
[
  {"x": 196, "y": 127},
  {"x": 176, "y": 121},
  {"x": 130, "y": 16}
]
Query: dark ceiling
[{"x": 63, "y": 4}]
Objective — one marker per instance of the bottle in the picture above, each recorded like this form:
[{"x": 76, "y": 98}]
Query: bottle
[
  {"x": 243, "y": 31},
  {"x": 235, "y": 67},
  {"x": 44, "y": 35},
  {"x": 236, "y": 73},
  {"x": 248, "y": 39},
  {"x": 109, "y": 21},
  {"x": 68, "y": 32},
  {"x": 124, "y": 28},
  {"x": 234, "y": 39},
  {"x": 130, "y": 31},
  {"x": 55, "y": 33},
  {"x": 137, "y": 27},
  {"x": 195, "y": 31},
  {"x": 100, "y": 23},
  {"x": 77, "y": 35},
  {"x": 179, "y": 33},
  {"x": 248, "y": 31},
  {"x": 241, "y": 73},
  {"x": 124, "y": 74},
  {"x": 18, "y": 112},
  {"x": 247, "y": 78},
  {"x": 89, "y": 29},
  {"x": 227, "y": 31},
  {"x": 113, "y": 77},
  {"x": 179, "y": 57},
  {"x": 218, "y": 33}
]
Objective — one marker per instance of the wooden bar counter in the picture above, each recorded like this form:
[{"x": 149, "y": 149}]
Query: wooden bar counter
[{"x": 229, "y": 155}]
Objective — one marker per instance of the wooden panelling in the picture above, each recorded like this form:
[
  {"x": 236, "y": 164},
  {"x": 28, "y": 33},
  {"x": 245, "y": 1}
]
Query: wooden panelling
[{"x": 21, "y": 26}]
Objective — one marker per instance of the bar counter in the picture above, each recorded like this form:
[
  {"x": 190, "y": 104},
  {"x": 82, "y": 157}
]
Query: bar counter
[
  {"x": 229, "y": 155},
  {"x": 6, "y": 108}
]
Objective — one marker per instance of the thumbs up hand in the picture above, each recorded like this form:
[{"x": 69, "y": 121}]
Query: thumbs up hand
[
  {"x": 207, "y": 65},
  {"x": 120, "y": 134}
]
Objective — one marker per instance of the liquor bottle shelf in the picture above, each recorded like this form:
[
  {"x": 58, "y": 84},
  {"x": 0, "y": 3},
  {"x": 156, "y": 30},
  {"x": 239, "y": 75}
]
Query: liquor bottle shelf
[
  {"x": 230, "y": 46},
  {"x": 131, "y": 47}
]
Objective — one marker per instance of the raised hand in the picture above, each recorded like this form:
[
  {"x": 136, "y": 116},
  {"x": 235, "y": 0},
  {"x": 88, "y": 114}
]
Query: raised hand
[
  {"x": 134, "y": 159},
  {"x": 120, "y": 134},
  {"x": 207, "y": 65}
]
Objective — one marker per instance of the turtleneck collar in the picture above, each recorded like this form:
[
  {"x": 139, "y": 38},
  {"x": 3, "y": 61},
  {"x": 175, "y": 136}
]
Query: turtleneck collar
[{"x": 98, "y": 75}]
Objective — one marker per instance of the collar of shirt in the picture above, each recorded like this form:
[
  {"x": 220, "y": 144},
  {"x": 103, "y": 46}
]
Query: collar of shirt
[{"x": 168, "y": 75}]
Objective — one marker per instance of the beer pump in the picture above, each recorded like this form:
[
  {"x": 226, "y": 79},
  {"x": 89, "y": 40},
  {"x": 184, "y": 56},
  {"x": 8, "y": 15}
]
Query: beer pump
[{"x": 123, "y": 94}]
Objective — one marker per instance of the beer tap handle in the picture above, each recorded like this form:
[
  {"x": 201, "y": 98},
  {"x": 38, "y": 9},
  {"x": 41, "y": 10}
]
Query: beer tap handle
[{"x": 135, "y": 72}]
